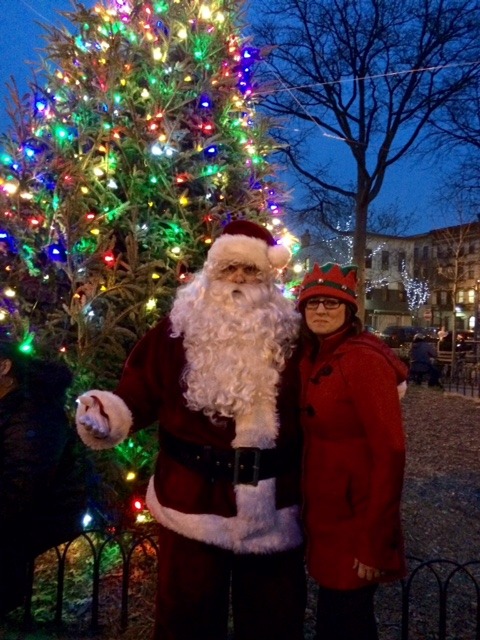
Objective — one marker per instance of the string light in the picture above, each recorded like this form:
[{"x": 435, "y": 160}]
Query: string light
[{"x": 135, "y": 191}]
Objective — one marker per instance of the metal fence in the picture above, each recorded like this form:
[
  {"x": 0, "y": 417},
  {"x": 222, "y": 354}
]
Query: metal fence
[
  {"x": 439, "y": 599},
  {"x": 462, "y": 377}
]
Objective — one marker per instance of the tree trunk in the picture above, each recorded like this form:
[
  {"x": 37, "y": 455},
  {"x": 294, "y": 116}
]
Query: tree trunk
[{"x": 359, "y": 251}]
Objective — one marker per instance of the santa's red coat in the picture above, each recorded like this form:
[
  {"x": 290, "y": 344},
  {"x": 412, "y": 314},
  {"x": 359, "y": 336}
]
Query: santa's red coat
[
  {"x": 244, "y": 518},
  {"x": 353, "y": 461}
]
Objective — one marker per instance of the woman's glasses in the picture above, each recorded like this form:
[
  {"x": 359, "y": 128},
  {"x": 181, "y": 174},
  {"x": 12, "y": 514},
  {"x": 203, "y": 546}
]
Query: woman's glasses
[{"x": 328, "y": 303}]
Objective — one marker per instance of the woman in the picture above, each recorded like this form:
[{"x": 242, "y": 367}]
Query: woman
[
  {"x": 354, "y": 455},
  {"x": 42, "y": 484},
  {"x": 422, "y": 358}
]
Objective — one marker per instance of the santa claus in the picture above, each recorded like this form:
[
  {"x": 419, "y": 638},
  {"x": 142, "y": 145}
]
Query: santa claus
[{"x": 219, "y": 376}]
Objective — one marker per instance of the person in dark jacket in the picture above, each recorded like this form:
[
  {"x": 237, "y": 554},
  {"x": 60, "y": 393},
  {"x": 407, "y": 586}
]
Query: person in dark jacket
[
  {"x": 354, "y": 455},
  {"x": 218, "y": 376},
  {"x": 42, "y": 484},
  {"x": 422, "y": 361}
]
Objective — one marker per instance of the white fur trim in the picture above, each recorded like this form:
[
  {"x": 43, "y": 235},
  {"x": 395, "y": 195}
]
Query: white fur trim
[
  {"x": 241, "y": 249},
  {"x": 257, "y": 527},
  {"x": 258, "y": 428},
  {"x": 119, "y": 417},
  {"x": 279, "y": 256}
]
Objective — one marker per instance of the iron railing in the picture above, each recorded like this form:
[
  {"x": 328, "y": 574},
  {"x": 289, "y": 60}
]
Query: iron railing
[
  {"x": 463, "y": 378},
  {"x": 440, "y": 594}
]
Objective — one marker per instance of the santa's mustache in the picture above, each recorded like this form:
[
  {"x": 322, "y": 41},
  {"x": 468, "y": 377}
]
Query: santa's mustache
[{"x": 251, "y": 295}]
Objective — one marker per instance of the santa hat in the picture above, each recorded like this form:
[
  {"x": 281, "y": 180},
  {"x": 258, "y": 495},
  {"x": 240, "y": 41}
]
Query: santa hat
[
  {"x": 245, "y": 242},
  {"x": 331, "y": 280}
]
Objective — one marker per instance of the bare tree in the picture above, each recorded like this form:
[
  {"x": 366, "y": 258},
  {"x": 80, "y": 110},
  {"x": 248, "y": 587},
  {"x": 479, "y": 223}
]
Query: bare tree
[
  {"x": 454, "y": 266},
  {"x": 456, "y": 129},
  {"x": 367, "y": 75}
]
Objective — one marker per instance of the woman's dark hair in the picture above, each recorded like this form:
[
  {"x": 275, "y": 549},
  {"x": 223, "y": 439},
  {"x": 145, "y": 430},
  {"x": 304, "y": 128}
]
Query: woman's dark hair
[{"x": 39, "y": 377}]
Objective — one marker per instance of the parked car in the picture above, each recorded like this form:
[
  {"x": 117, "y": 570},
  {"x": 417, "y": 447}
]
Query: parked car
[
  {"x": 464, "y": 341},
  {"x": 397, "y": 336},
  {"x": 369, "y": 329}
]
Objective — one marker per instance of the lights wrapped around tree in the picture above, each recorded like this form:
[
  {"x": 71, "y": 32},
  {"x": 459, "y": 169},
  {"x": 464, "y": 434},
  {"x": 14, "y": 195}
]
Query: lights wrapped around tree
[{"x": 142, "y": 143}]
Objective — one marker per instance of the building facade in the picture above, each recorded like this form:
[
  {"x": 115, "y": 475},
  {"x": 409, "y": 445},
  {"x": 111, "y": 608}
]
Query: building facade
[{"x": 427, "y": 280}]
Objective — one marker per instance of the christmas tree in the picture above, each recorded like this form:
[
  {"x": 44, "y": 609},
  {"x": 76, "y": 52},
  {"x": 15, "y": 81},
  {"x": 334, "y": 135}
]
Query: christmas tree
[{"x": 119, "y": 170}]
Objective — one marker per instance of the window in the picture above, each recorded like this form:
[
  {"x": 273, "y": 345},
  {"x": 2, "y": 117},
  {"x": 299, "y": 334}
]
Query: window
[
  {"x": 435, "y": 297},
  {"x": 368, "y": 259},
  {"x": 460, "y": 296},
  {"x": 470, "y": 270},
  {"x": 402, "y": 260},
  {"x": 425, "y": 253},
  {"x": 415, "y": 253},
  {"x": 385, "y": 294},
  {"x": 385, "y": 260},
  {"x": 471, "y": 296},
  {"x": 443, "y": 297},
  {"x": 368, "y": 290}
]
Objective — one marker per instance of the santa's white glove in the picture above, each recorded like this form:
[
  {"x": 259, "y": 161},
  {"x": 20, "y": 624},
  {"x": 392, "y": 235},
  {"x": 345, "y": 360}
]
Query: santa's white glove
[{"x": 94, "y": 420}]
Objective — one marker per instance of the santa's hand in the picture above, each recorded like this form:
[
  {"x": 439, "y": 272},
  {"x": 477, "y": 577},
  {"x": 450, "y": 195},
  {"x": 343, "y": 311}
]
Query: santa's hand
[{"x": 94, "y": 420}]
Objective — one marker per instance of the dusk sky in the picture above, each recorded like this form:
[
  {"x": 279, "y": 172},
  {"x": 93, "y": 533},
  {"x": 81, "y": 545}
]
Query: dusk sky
[{"x": 409, "y": 184}]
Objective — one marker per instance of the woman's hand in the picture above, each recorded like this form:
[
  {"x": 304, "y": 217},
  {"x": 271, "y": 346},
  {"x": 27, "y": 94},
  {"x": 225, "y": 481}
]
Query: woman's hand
[{"x": 366, "y": 572}]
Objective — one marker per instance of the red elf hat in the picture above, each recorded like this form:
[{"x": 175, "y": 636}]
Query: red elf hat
[{"x": 331, "y": 280}]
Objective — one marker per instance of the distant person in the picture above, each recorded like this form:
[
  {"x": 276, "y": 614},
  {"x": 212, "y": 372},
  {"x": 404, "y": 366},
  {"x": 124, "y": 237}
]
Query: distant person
[
  {"x": 354, "y": 455},
  {"x": 422, "y": 361},
  {"x": 442, "y": 333},
  {"x": 42, "y": 486}
]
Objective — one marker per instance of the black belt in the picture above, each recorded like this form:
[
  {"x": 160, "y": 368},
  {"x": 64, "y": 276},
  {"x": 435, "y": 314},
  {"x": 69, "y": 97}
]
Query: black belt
[{"x": 244, "y": 465}]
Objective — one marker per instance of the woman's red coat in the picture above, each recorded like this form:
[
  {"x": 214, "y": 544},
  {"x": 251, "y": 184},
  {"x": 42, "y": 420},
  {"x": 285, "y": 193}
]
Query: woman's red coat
[{"x": 354, "y": 460}]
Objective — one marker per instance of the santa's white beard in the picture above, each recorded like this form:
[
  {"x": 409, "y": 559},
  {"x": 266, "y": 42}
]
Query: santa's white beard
[{"x": 236, "y": 338}]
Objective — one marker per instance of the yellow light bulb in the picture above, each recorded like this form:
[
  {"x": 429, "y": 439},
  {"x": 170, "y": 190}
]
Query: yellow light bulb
[
  {"x": 205, "y": 12},
  {"x": 151, "y": 304}
]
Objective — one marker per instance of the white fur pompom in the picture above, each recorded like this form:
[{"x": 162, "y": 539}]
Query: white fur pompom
[{"x": 279, "y": 256}]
